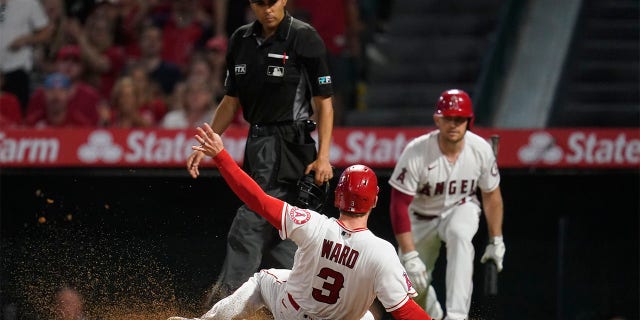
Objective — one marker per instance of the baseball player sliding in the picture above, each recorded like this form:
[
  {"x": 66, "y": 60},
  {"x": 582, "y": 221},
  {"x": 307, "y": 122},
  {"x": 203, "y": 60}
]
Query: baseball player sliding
[
  {"x": 340, "y": 266},
  {"x": 434, "y": 200}
]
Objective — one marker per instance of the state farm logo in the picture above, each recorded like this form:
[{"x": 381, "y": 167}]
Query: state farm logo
[
  {"x": 542, "y": 147},
  {"x": 146, "y": 147},
  {"x": 581, "y": 148},
  {"x": 100, "y": 146},
  {"x": 367, "y": 147}
]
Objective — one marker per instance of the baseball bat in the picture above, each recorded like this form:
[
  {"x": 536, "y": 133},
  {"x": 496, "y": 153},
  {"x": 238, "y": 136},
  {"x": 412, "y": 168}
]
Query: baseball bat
[{"x": 490, "y": 268}]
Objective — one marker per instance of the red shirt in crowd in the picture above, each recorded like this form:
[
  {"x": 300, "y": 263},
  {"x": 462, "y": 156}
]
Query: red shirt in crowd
[
  {"x": 10, "y": 113},
  {"x": 179, "y": 42},
  {"x": 82, "y": 107},
  {"x": 329, "y": 18},
  {"x": 117, "y": 59}
]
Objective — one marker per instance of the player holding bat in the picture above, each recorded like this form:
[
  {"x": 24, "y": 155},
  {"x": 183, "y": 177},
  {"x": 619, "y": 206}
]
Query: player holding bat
[{"x": 434, "y": 199}]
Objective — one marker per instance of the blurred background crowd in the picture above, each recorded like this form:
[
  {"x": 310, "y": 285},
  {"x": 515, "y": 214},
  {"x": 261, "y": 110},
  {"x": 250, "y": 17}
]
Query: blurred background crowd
[{"x": 156, "y": 63}]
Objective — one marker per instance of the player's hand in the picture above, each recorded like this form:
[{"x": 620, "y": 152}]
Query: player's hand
[
  {"x": 416, "y": 270},
  {"x": 494, "y": 251},
  {"x": 210, "y": 142},
  {"x": 193, "y": 161},
  {"x": 323, "y": 170}
]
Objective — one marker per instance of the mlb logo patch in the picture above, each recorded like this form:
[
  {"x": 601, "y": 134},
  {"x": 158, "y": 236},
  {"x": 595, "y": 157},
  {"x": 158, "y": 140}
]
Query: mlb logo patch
[
  {"x": 241, "y": 68},
  {"x": 275, "y": 71},
  {"x": 324, "y": 80}
]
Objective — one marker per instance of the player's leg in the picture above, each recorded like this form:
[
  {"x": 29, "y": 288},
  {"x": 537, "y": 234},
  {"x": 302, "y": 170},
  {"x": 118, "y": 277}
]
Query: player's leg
[
  {"x": 429, "y": 250},
  {"x": 274, "y": 293},
  {"x": 242, "y": 303},
  {"x": 245, "y": 244},
  {"x": 427, "y": 242},
  {"x": 458, "y": 231},
  {"x": 433, "y": 307},
  {"x": 245, "y": 301}
]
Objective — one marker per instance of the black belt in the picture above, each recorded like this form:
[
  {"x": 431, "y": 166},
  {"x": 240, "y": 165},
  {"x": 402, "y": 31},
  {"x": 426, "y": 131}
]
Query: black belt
[
  {"x": 425, "y": 218},
  {"x": 276, "y": 128}
]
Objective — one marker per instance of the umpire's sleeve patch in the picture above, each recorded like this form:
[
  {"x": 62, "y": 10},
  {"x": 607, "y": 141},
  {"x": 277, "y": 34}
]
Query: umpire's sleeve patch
[{"x": 299, "y": 215}]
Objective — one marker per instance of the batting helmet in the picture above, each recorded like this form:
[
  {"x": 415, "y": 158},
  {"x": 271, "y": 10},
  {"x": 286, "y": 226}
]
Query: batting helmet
[
  {"x": 455, "y": 103},
  {"x": 310, "y": 195},
  {"x": 356, "y": 190}
]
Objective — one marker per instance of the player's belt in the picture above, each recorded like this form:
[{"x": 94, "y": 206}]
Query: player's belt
[
  {"x": 423, "y": 217},
  {"x": 294, "y": 304}
]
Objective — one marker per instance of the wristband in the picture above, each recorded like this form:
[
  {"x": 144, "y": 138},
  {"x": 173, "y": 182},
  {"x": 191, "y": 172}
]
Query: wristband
[
  {"x": 409, "y": 255},
  {"x": 496, "y": 240}
]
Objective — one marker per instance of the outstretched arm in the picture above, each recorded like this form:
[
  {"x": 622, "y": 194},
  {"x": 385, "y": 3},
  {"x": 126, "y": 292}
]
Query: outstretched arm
[{"x": 242, "y": 185}]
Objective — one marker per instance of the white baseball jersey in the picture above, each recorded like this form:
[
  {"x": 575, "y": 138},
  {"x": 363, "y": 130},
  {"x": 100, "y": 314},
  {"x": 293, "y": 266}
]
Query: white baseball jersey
[
  {"x": 436, "y": 184},
  {"x": 337, "y": 271}
]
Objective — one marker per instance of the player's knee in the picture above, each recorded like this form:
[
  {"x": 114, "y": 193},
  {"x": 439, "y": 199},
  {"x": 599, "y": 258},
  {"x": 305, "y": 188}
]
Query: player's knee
[{"x": 458, "y": 235}]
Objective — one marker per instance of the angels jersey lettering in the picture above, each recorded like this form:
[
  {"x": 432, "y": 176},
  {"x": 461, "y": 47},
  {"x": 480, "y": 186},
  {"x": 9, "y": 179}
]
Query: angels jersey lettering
[{"x": 436, "y": 184}]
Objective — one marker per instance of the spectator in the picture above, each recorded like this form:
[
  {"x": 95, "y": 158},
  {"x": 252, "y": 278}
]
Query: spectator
[
  {"x": 197, "y": 108},
  {"x": 230, "y": 15},
  {"x": 23, "y": 24},
  {"x": 216, "y": 48},
  {"x": 200, "y": 72},
  {"x": 165, "y": 73},
  {"x": 68, "y": 305},
  {"x": 45, "y": 54},
  {"x": 57, "y": 90},
  {"x": 337, "y": 22},
  {"x": 149, "y": 92},
  {"x": 130, "y": 17},
  {"x": 129, "y": 108},
  {"x": 104, "y": 60},
  {"x": 182, "y": 33},
  {"x": 10, "y": 113},
  {"x": 84, "y": 99}
]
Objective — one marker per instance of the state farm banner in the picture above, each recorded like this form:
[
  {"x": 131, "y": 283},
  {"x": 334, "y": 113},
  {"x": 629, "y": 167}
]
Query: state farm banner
[{"x": 377, "y": 147}]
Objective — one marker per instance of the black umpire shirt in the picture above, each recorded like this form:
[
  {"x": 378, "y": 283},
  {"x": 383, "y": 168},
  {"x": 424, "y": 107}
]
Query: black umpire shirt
[{"x": 275, "y": 78}]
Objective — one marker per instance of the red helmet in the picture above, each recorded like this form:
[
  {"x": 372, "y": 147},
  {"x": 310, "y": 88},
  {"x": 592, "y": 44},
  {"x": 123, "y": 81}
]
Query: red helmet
[
  {"x": 455, "y": 103},
  {"x": 357, "y": 189}
]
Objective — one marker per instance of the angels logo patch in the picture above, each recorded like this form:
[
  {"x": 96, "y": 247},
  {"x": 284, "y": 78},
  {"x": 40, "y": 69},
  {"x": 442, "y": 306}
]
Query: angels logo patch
[
  {"x": 407, "y": 281},
  {"x": 299, "y": 216}
]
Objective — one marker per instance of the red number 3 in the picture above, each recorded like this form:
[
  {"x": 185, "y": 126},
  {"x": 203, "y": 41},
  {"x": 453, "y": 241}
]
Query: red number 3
[{"x": 333, "y": 287}]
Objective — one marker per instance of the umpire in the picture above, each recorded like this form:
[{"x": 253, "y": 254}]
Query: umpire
[{"x": 277, "y": 72}]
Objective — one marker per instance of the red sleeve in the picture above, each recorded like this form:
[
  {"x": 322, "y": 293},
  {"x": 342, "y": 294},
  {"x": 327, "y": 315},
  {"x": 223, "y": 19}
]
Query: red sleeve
[
  {"x": 248, "y": 190},
  {"x": 399, "y": 209},
  {"x": 410, "y": 311}
]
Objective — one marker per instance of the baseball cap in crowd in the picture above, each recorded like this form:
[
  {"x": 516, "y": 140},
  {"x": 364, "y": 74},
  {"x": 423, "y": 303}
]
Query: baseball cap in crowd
[
  {"x": 69, "y": 52},
  {"x": 57, "y": 80},
  {"x": 217, "y": 44}
]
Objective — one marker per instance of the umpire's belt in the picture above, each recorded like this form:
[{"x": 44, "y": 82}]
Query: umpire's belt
[
  {"x": 424, "y": 217},
  {"x": 281, "y": 128}
]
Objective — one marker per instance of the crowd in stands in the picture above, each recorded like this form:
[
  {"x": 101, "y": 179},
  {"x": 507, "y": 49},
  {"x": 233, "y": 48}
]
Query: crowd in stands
[{"x": 147, "y": 63}]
